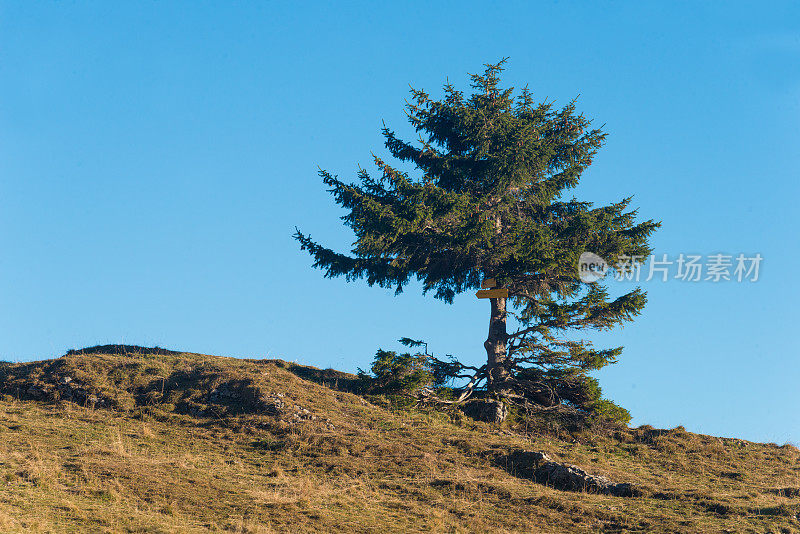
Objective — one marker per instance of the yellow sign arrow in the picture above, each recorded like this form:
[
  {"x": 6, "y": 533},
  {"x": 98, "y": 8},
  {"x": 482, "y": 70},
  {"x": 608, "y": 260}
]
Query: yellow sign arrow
[{"x": 492, "y": 293}]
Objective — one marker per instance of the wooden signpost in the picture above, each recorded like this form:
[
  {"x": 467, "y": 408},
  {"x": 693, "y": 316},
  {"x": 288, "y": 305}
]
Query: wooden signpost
[
  {"x": 488, "y": 293},
  {"x": 491, "y": 293}
]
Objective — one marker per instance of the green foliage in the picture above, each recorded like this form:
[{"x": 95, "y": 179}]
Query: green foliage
[
  {"x": 393, "y": 372},
  {"x": 606, "y": 410},
  {"x": 574, "y": 387},
  {"x": 486, "y": 203},
  {"x": 408, "y": 342},
  {"x": 602, "y": 410}
]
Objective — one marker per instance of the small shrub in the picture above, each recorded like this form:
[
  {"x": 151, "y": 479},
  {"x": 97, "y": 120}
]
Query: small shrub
[
  {"x": 607, "y": 411},
  {"x": 394, "y": 373}
]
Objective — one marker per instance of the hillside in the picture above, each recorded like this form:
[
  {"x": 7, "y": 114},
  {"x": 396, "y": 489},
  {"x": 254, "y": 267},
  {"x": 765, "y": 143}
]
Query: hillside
[{"x": 116, "y": 439}]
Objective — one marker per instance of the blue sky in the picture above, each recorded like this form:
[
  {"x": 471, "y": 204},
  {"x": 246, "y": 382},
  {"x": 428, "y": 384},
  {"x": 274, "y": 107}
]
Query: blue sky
[{"x": 155, "y": 159}]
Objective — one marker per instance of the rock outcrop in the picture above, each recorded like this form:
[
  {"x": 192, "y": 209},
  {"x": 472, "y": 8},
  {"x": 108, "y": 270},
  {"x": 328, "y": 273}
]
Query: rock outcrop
[{"x": 540, "y": 467}]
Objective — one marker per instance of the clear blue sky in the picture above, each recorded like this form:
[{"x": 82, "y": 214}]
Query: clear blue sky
[{"x": 155, "y": 158}]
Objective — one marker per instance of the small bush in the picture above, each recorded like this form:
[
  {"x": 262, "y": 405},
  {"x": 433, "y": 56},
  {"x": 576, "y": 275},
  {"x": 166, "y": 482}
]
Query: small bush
[
  {"x": 607, "y": 411},
  {"x": 574, "y": 388},
  {"x": 393, "y": 372}
]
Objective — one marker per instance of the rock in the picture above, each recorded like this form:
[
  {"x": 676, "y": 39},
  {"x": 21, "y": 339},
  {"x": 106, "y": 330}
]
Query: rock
[
  {"x": 489, "y": 410},
  {"x": 272, "y": 405},
  {"x": 540, "y": 467}
]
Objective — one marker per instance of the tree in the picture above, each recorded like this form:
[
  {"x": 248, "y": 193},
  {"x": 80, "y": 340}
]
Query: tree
[{"x": 488, "y": 202}]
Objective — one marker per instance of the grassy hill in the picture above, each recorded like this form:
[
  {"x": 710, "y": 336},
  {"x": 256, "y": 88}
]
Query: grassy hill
[{"x": 118, "y": 439}]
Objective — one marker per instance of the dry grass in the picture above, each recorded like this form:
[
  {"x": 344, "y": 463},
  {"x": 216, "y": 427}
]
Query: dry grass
[{"x": 162, "y": 456}]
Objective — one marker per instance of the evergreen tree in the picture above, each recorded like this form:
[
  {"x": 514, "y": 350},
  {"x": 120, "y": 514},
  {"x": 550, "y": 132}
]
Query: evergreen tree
[{"x": 488, "y": 202}]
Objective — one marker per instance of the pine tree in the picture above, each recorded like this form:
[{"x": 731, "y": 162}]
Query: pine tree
[{"x": 488, "y": 202}]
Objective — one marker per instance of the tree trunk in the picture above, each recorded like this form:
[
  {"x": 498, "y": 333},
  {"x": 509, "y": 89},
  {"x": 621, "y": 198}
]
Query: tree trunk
[{"x": 496, "y": 364}]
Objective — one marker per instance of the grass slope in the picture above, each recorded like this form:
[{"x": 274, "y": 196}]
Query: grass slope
[{"x": 160, "y": 441}]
